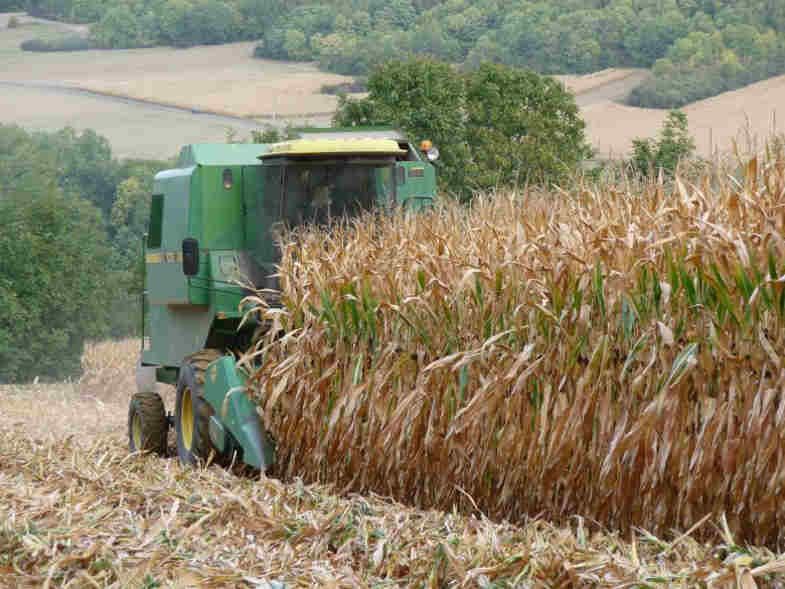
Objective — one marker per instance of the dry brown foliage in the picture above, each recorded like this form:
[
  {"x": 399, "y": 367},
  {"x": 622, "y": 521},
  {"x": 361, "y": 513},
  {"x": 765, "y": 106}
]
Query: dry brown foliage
[
  {"x": 87, "y": 514},
  {"x": 76, "y": 510},
  {"x": 613, "y": 352}
]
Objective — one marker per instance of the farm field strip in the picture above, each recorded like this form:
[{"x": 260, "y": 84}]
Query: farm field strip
[
  {"x": 77, "y": 510},
  {"x": 150, "y": 102},
  {"x": 227, "y": 80}
]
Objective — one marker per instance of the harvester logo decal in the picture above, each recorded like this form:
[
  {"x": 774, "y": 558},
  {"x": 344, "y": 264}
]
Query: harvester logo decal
[{"x": 164, "y": 257}]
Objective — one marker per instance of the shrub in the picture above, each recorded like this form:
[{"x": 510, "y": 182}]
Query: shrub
[
  {"x": 353, "y": 87},
  {"x": 50, "y": 309},
  {"x": 13, "y": 22},
  {"x": 67, "y": 44},
  {"x": 674, "y": 145}
]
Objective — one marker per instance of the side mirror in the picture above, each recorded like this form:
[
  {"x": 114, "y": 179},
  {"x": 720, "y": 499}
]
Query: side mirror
[{"x": 190, "y": 256}]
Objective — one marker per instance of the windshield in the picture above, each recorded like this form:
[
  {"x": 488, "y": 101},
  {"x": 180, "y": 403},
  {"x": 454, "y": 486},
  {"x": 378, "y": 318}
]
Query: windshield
[{"x": 318, "y": 192}]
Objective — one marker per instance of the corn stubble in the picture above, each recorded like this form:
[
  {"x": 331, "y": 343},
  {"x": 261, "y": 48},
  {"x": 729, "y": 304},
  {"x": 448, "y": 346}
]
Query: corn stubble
[{"x": 612, "y": 351}]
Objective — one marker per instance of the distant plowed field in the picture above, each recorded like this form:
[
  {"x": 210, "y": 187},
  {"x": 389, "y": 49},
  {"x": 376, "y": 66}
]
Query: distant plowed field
[
  {"x": 207, "y": 82},
  {"x": 753, "y": 112},
  {"x": 212, "y": 89}
]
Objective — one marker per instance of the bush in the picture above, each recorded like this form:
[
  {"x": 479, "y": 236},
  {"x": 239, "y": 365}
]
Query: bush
[
  {"x": 674, "y": 145},
  {"x": 67, "y": 44},
  {"x": 353, "y": 87},
  {"x": 51, "y": 309},
  {"x": 13, "y": 22}
]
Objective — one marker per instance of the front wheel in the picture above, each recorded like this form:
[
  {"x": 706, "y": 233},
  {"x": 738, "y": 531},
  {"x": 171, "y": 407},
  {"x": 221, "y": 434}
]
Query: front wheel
[{"x": 192, "y": 411}]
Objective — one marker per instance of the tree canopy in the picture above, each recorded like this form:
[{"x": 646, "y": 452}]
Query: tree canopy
[
  {"x": 494, "y": 125},
  {"x": 72, "y": 219}
]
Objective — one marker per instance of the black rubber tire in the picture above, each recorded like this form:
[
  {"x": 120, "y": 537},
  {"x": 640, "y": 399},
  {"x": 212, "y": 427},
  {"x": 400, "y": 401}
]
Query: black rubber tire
[
  {"x": 190, "y": 384},
  {"x": 147, "y": 427}
]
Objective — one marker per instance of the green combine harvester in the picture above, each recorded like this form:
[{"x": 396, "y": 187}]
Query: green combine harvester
[{"x": 212, "y": 241}]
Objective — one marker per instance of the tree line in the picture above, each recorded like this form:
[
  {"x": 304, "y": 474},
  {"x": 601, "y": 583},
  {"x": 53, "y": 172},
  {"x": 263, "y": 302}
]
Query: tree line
[
  {"x": 72, "y": 220},
  {"x": 696, "y": 47}
]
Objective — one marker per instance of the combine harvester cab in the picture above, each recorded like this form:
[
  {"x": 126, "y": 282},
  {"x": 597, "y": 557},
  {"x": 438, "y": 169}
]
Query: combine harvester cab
[{"x": 211, "y": 242}]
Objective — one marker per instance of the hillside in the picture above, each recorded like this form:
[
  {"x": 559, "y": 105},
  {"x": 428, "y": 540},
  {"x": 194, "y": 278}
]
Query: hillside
[
  {"x": 47, "y": 91},
  {"x": 740, "y": 115},
  {"x": 695, "y": 49},
  {"x": 220, "y": 87}
]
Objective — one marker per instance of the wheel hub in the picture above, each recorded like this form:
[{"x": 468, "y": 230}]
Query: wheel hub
[
  {"x": 187, "y": 419},
  {"x": 136, "y": 430}
]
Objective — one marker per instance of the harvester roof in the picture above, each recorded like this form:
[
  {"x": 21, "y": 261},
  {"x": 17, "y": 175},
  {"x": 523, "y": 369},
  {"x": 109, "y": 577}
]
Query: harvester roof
[
  {"x": 365, "y": 132},
  {"x": 334, "y": 146},
  {"x": 221, "y": 154}
]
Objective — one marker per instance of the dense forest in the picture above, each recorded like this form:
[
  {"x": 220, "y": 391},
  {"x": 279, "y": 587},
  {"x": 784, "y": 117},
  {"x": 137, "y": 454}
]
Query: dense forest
[
  {"x": 697, "y": 48},
  {"x": 70, "y": 267}
]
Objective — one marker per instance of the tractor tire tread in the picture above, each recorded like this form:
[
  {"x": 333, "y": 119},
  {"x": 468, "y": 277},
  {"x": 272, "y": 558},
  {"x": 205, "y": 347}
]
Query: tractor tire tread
[
  {"x": 150, "y": 408},
  {"x": 202, "y": 446}
]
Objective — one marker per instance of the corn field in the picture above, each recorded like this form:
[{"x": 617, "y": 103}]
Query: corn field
[{"x": 613, "y": 352}]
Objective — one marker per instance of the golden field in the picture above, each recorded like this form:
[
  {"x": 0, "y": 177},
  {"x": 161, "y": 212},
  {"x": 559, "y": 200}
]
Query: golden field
[
  {"x": 77, "y": 510},
  {"x": 613, "y": 351},
  {"x": 564, "y": 388}
]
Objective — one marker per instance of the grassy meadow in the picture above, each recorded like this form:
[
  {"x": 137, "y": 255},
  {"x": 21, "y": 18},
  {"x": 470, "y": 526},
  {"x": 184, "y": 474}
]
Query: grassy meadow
[{"x": 612, "y": 351}]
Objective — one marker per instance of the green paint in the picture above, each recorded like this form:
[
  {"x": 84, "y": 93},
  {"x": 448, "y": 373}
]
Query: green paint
[
  {"x": 224, "y": 389},
  {"x": 418, "y": 186}
]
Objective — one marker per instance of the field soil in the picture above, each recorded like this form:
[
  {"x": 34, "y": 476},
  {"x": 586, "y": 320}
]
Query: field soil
[
  {"x": 94, "y": 406},
  {"x": 608, "y": 84},
  {"x": 745, "y": 117}
]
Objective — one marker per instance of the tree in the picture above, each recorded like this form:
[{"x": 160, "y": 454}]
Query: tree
[
  {"x": 84, "y": 164},
  {"x": 674, "y": 145},
  {"x": 522, "y": 127},
  {"x": 117, "y": 29},
  {"x": 295, "y": 45},
  {"x": 494, "y": 125},
  {"x": 11, "y": 5},
  {"x": 53, "y": 253},
  {"x": 67, "y": 271}
]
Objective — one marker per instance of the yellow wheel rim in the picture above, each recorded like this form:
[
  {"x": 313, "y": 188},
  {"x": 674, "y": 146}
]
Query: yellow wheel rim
[
  {"x": 187, "y": 419},
  {"x": 136, "y": 426}
]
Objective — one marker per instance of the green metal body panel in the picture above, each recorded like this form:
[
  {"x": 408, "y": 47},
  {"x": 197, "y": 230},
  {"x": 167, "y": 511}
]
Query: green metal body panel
[
  {"x": 236, "y": 415},
  {"x": 221, "y": 154},
  {"x": 418, "y": 186},
  {"x": 176, "y": 331}
]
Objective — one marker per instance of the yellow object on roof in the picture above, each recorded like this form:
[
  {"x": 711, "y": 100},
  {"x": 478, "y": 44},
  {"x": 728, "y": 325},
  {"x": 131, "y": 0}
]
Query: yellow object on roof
[{"x": 347, "y": 146}]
